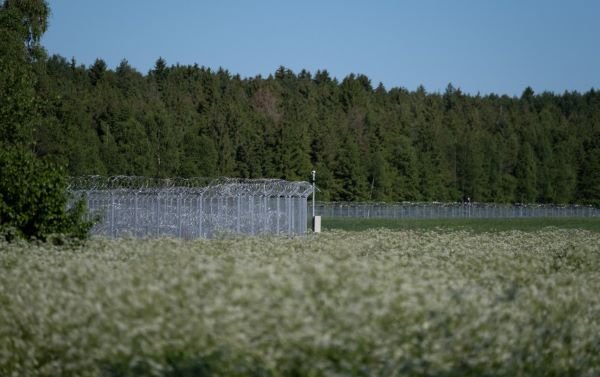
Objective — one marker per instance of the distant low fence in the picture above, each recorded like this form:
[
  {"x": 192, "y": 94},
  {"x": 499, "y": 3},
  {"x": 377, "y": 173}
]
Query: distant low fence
[
  {"x": 410, "y": 210},
  {"x": 193, "y": 208}
]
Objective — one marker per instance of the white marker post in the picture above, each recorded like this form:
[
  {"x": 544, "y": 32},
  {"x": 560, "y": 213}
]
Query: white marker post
[{"x": 316, "y": 225}]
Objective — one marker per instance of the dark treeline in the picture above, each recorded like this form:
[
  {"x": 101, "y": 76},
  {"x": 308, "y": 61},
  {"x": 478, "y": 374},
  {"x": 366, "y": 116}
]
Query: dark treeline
[{"x": 367, "y": 143}]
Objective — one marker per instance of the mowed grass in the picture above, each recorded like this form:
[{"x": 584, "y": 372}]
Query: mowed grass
[
  {"x": 473, "y": 225},
  {"x": 370, "y": 303}
]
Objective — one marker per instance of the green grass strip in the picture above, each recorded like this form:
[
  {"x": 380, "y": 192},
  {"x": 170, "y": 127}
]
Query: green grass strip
[{"x": 474, "y": 225}]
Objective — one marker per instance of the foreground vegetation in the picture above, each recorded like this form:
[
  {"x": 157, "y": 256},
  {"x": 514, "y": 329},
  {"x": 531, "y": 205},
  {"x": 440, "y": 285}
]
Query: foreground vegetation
[
  {"x": 418, "y": 303},
  {"x": 472, "y": 225},
  {"x": 33, "y": 197}
]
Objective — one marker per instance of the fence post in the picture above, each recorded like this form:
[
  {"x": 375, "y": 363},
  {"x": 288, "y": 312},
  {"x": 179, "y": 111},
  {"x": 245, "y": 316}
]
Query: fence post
[
  {"x": 251, "y": 209},
  {"x": 293, "y": 214},
  {"x": 157, "y": 214},
  {"x": 239, "y": 213},
  {"x": 112, "y": 214},
  {"x": 278, "y": 214},
  {"x": 200, "y": 215},
  {"x": 265, "y": 218},
  {"x": 135, "y": 214},
  {"x": 289, "y": 213},
  {"x": 179, "y": 215},
  {"x": 221, "y": 220}
]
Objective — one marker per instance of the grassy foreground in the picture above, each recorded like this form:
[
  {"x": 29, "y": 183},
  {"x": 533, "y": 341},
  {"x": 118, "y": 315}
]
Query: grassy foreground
[
  {"x": 472, "y": 225},
  {"x": 374, "y": 303}
]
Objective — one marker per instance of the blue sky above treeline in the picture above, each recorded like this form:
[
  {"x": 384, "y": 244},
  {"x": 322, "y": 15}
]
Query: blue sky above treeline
[{"x": 479, "y": 46}]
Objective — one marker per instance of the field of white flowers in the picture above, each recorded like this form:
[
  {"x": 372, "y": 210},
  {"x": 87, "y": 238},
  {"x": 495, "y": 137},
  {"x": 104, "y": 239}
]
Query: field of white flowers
[{"x": 374, "y": 303}]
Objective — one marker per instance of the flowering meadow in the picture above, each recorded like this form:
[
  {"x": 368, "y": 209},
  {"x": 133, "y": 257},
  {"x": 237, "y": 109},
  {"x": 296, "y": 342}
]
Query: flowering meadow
[{"x": 371, "y": 303}]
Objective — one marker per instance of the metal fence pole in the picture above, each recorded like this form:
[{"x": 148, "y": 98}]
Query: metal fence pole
[
  {"x": 251, "y": 208},
  {"x": 277, "y": 214},
  {"x": 289, "y": 213},
  {"x": 201, "y": 215},
  {"x": 135, "y": 214},
  {"x": 158, "y": 214},
  {"x": 112, "y": 214},
  {"x": 239, "y": 213},
  {"x": 265, "y": 218},
  {"x": 179, "y": 215},
  {"x": 292, "y": 215}
]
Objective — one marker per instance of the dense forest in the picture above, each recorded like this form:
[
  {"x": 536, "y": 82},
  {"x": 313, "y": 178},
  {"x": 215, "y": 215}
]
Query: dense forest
[{"x": 366, "y": 142}]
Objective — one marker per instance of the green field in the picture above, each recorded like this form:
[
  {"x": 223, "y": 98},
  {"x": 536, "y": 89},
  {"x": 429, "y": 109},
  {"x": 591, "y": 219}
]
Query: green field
[
  {"x": 474, "y": 225},
  {"x": 370, "y": 303}
]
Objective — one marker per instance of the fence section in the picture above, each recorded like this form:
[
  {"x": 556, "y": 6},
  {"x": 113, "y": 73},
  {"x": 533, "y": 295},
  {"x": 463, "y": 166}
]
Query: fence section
[
  {"x": 138, "y": 207},
  {"x": 411, "y": 210}
]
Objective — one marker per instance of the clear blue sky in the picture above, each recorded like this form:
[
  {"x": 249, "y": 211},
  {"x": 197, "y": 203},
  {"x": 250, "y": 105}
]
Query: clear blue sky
[{"x": 479, "y": 45}]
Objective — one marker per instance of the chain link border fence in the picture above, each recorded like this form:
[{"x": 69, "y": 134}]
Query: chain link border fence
[
  {"x": 192, "y": 208},
  {"x": 434, "y": 210}
]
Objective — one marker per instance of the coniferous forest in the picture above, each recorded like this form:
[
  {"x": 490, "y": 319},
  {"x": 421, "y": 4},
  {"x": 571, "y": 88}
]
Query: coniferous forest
[{"x": 366, "y": 142}]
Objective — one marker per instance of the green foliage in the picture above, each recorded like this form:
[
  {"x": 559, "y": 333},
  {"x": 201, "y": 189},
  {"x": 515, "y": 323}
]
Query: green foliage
[
  {"x": 589, "y": 188},
  {"x": 33, "y": 199},
  {"x": 366, "y": 142},
  {"x": 33, "y": 19},
  {"x": 525, "y": 172},
  {"x": 375, "y": 303},
  {"x": 379, "y": 178},
  {"x": 350, "y": 174},
  {"x": 17, "y": 94}
]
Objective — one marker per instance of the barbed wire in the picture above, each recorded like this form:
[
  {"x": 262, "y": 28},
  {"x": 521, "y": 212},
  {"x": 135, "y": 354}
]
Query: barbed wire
[
  {"x": 453, "y": 204},
  {"x": 219, "y": 187},
  {"x": 452, "y": 210}
]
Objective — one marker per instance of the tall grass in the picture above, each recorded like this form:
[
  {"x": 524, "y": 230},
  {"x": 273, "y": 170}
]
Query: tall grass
[{"x": 416, "y": 303}]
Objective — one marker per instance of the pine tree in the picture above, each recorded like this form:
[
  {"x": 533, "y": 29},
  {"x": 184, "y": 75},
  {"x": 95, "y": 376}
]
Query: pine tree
[
  {"x": 349, "y": 174},
  {"x": 526, "y": 175}
]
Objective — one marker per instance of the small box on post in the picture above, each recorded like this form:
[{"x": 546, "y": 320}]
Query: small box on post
[{"x": 316, "y": 225}]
